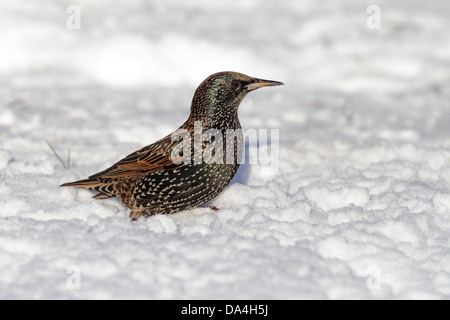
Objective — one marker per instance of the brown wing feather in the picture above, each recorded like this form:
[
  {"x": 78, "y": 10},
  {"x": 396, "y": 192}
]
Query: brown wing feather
[{"x": 152, "y": 158}]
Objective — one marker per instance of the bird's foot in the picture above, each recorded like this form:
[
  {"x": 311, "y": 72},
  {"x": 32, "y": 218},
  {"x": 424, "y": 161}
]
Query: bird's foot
[
  {"x": 213, "y": 208},
  {"x": 135, "y": 214}
]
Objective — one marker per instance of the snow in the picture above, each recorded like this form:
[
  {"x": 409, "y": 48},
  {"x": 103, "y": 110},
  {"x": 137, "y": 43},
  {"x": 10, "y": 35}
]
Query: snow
[{"x": 358, "y": 207}]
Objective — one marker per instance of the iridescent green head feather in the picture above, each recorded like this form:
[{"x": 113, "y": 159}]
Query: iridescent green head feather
[{"x": 218, "y": 96}]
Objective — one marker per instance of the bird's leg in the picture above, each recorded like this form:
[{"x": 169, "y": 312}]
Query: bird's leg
[
  {"x": 213, "y": 208},
  {"x": 135, "y": 214}
]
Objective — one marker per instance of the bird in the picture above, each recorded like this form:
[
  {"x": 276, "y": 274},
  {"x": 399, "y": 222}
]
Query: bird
[{"x": 189, "y": 167}]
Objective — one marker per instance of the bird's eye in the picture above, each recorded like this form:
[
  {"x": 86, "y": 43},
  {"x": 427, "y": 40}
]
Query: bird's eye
[{"x": 235, "y": 84}]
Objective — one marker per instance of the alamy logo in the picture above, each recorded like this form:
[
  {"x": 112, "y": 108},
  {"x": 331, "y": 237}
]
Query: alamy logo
[
  {"x": 213, "y": 146},
  {"x": 73, "y": 282},
  {"x": 73, "y": 21},
  {"x": 373, "y": 281},
  {"x": 374, "y": 20}
]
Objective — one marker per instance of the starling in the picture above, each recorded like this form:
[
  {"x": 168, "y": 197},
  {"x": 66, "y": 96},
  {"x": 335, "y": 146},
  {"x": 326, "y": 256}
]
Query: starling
[{"x": 189, "y": 167}]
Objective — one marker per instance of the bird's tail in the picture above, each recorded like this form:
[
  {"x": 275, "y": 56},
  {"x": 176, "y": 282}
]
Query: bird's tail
[
  {"x": 86, "y": 183},
  {"x": 105, "y": 190}
]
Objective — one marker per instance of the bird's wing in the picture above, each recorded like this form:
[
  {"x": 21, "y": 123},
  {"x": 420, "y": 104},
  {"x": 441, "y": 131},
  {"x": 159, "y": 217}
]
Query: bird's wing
[{"x": 152, "y": 158}]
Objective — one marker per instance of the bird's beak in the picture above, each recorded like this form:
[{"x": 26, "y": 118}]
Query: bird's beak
[{"x": 259, "y": 83}]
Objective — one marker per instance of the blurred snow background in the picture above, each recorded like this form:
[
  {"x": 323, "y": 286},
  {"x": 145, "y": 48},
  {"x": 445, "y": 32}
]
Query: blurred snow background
[{"x": 359, "y": 208}]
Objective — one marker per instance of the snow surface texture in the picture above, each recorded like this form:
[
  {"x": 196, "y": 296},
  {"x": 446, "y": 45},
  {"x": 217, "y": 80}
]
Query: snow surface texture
[{"x": 360, "y": 204}]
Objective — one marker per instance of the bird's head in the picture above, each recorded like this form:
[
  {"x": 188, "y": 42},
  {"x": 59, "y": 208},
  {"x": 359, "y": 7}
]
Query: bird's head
[{"x": 218, "y": 96}]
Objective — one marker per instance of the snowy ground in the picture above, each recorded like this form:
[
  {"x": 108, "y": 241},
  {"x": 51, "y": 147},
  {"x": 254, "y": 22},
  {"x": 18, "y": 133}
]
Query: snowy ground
[{"x": 360, "y": 205}]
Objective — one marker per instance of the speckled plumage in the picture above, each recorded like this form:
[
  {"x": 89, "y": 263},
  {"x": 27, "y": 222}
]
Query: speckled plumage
[{"x": 149, "y": 182}]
